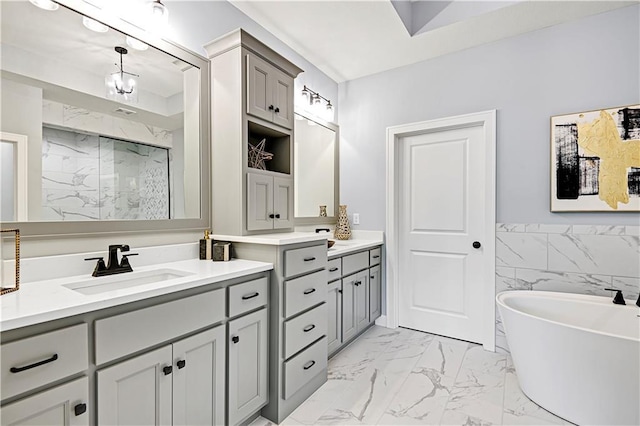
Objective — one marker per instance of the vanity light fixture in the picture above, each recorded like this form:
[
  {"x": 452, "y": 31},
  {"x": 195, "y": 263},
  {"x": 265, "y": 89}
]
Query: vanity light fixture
[
  {"x": 94, "y": 25},
  {"x": 315, "y": 98},
  {"x": 45, "y": 4},
  {"x": 122, "y": 85},
  {"x": 134, "y": 43}
]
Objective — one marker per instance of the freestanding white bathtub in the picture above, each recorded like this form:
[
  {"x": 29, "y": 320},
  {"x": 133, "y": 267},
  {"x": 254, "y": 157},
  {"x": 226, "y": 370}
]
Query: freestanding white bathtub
[{"x": 577, "y": 356}]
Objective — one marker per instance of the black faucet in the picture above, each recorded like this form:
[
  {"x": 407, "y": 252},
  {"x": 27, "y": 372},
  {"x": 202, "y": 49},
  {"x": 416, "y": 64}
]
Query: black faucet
[
  {"x": 113, "y": 267},
  {"x": 618, "y": 299}
]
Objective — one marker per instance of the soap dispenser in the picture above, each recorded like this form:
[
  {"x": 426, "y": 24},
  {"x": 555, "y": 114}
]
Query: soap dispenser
[{"x": 206, "y": 246}]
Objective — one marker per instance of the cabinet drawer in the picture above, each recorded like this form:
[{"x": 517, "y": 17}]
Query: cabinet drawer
[
  {"x": 334, "y": 269},
  {"x": 247, "y": 296},
  {"x": 304, "y": 366},
  {"x": 304, "y": 292},
  {"x": 375, "y": 256},
  {"x": 355, "y": 262},
  {"x": 304, "y": 330},
  {"x": 38, "y": 360},
  {"x": 302, "y": 260},
  {"x": 133, "y": 331}
]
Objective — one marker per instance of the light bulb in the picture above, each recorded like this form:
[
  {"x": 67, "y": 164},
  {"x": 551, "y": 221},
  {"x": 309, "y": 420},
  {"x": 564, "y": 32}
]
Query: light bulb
[
  {"x": 329, "y": 106},
  {"x": 134, "y": 43},
  {"x": 94, "y": 25},
  {"x": 317, "y": 100},
  {"x": 45, "y": 4}
]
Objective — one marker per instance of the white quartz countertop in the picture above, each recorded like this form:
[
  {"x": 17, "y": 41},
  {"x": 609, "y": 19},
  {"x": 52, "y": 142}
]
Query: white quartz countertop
[
  {"x": 41, "y": 301},
  {"x": 341, "y": 248},
  {"x": 274, "y": 239}
]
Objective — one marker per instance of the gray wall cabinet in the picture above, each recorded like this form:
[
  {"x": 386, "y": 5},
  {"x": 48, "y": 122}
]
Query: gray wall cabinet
[
  {"x": 158, "y": 361},
  {"x": 354, "y": 300},
  {"x": 251, "y": 104}
]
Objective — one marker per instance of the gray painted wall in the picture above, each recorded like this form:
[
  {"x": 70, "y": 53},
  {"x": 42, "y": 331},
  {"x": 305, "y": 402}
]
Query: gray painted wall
[
  {"x": 195, "y": 23},
  {"x": 583, "y": 65}
]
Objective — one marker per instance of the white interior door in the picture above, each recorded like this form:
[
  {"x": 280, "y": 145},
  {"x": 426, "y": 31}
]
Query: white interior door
[{"x": 442, "y": 195}]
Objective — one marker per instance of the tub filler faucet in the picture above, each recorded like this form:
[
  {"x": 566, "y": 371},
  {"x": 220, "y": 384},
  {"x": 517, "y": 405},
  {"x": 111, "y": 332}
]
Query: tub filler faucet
[{"x": 113, "y": 266}]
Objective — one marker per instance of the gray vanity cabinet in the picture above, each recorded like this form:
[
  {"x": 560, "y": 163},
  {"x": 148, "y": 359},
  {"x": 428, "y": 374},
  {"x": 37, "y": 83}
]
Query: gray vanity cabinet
[
  {"x": 355, "y": 304},
  {"x": 375, "y": 294},
  {"x": 269, "y": 202},
  {"x": 65, "y": 405},
  {"x": 334, "y": 315},
  {"x": 248, "y": 369},
  {"x": 182, "y": 383},
  {"x": 269, "y": 92}
]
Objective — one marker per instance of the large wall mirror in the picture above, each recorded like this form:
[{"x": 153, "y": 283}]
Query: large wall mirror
[
  {"x": 316, "y": 170},
  {"x": 110, "y": 121}
]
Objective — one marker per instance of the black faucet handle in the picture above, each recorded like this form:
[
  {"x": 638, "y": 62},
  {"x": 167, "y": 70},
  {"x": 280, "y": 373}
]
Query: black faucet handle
[
  {"x": 100, "y": 266},
  {"x": 95, "y": 258},
  {"x": 126, "y": 253},
  {"x": 618, "y": 299}
]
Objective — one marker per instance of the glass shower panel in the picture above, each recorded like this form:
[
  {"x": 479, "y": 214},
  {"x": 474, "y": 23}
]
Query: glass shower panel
[{"x": 134, "y": 180}]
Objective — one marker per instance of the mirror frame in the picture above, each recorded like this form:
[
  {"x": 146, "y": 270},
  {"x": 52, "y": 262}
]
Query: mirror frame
[
  {"x": 58, "y": 228},
  {"x": 301, "y": 221}
]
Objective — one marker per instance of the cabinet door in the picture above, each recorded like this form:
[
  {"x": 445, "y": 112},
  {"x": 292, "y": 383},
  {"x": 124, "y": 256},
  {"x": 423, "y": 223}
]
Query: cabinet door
[
  {"x": 137, "y": 391},
  {"x": 283, "y": 99},
  {"x": 199, "y": 379},
  {"x": 259, "y": 202},
  {"x": 54, "y": 407},
  {"x": 247, "y": 357},
  {"x": 283, "y": 203},
  {"x": 375, "y": 294},
  {"x": 334, "y": 315},
  {"x": 362, "y": 300},
  {"x": 349, "y": 327},
  {"x": 260, "y": 76}
]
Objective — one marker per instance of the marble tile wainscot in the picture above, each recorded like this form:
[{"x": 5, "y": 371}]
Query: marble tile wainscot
[{"x": 566, "y": 258}]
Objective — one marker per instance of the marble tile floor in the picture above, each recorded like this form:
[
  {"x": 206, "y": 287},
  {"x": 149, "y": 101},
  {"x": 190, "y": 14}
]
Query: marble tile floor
[{"x": 406, "y": 377}]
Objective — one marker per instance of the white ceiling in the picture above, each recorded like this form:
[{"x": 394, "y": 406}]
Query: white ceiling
[{"x": 355, "y": 38}]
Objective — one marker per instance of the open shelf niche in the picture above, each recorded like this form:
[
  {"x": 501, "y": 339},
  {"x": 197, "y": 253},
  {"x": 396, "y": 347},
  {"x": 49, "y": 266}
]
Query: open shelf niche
[{"x": 276, "y": 143}]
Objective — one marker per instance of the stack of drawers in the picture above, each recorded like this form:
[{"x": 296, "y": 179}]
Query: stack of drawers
[{"x": 304, "y": 348}]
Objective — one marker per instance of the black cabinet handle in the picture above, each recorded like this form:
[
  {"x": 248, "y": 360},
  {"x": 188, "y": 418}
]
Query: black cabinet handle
[
  {"x": 272, "y": 216},
  {"x": 372, "y": 276},
  {"x": 270, "y": 107},
  {"x": 167, "y": 370},
  {"x": 250, "y": 296},
  {"x": 181, "y": 364},
  {"x": 357, "y": 283},
  {"x": 80, "y": 409},
  {"x": 311, "y": 290},
  {"x": 309, "y": 328},
  {"x": 235, "y": 339},
  {"x": 277, "y": 215},
  {"x": 309, "y": 259},
  {"x": 375, "y": 256},
  {"x": 333, "y": 269},
  {"x": 34, "y": 365},
  {"x": 277, "y": 110},
  {"x": 309, "y": 365},
  {"x": 340, "y": 291},
  {"x": 476, "y": 244}
]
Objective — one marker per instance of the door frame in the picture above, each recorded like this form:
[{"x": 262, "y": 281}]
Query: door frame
[{"x": 486, "y": 119}]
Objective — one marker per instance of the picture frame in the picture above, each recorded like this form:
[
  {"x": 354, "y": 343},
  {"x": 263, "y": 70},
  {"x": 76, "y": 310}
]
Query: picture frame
[
  {"x": 595, "y": 161},
  {"x": 9, "y": 260}
]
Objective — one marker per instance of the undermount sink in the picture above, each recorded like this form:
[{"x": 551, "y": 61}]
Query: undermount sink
[{"x": 126, "y": 280}]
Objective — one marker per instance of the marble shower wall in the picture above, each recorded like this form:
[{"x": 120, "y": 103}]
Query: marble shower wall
[
  {"x": 566, "y": 258},
  {"x": 86, "y": 177}
]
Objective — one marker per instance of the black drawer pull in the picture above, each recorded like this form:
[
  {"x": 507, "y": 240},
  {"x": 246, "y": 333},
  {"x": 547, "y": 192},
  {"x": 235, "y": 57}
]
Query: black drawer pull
[
  {"x": 373, "y": 276},
  {"x": 35, "y": 364},
  {"x": 251, "y": 296},
  {"x": 333, "y": 269},
  {"x": 235, "y": 339},
  {"x": 309, "y": 328},
  {"x": 167, "y": 370},
  {"x": 311, "y": 290},
  {"x": 375, "y": 256},
  {"x": 309, "y": 365},
  {"x": 181, "y": 364},
  {"x": 309, "y": 259},
  {"x": 80, "y": 409}
]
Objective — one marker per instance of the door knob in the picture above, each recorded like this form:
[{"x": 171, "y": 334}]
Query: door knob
[{"x": 476, "y": 244}]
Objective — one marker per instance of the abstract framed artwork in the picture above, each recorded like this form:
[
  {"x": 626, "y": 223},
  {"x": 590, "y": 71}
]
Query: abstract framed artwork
[{"x": 595, "y": 161}]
